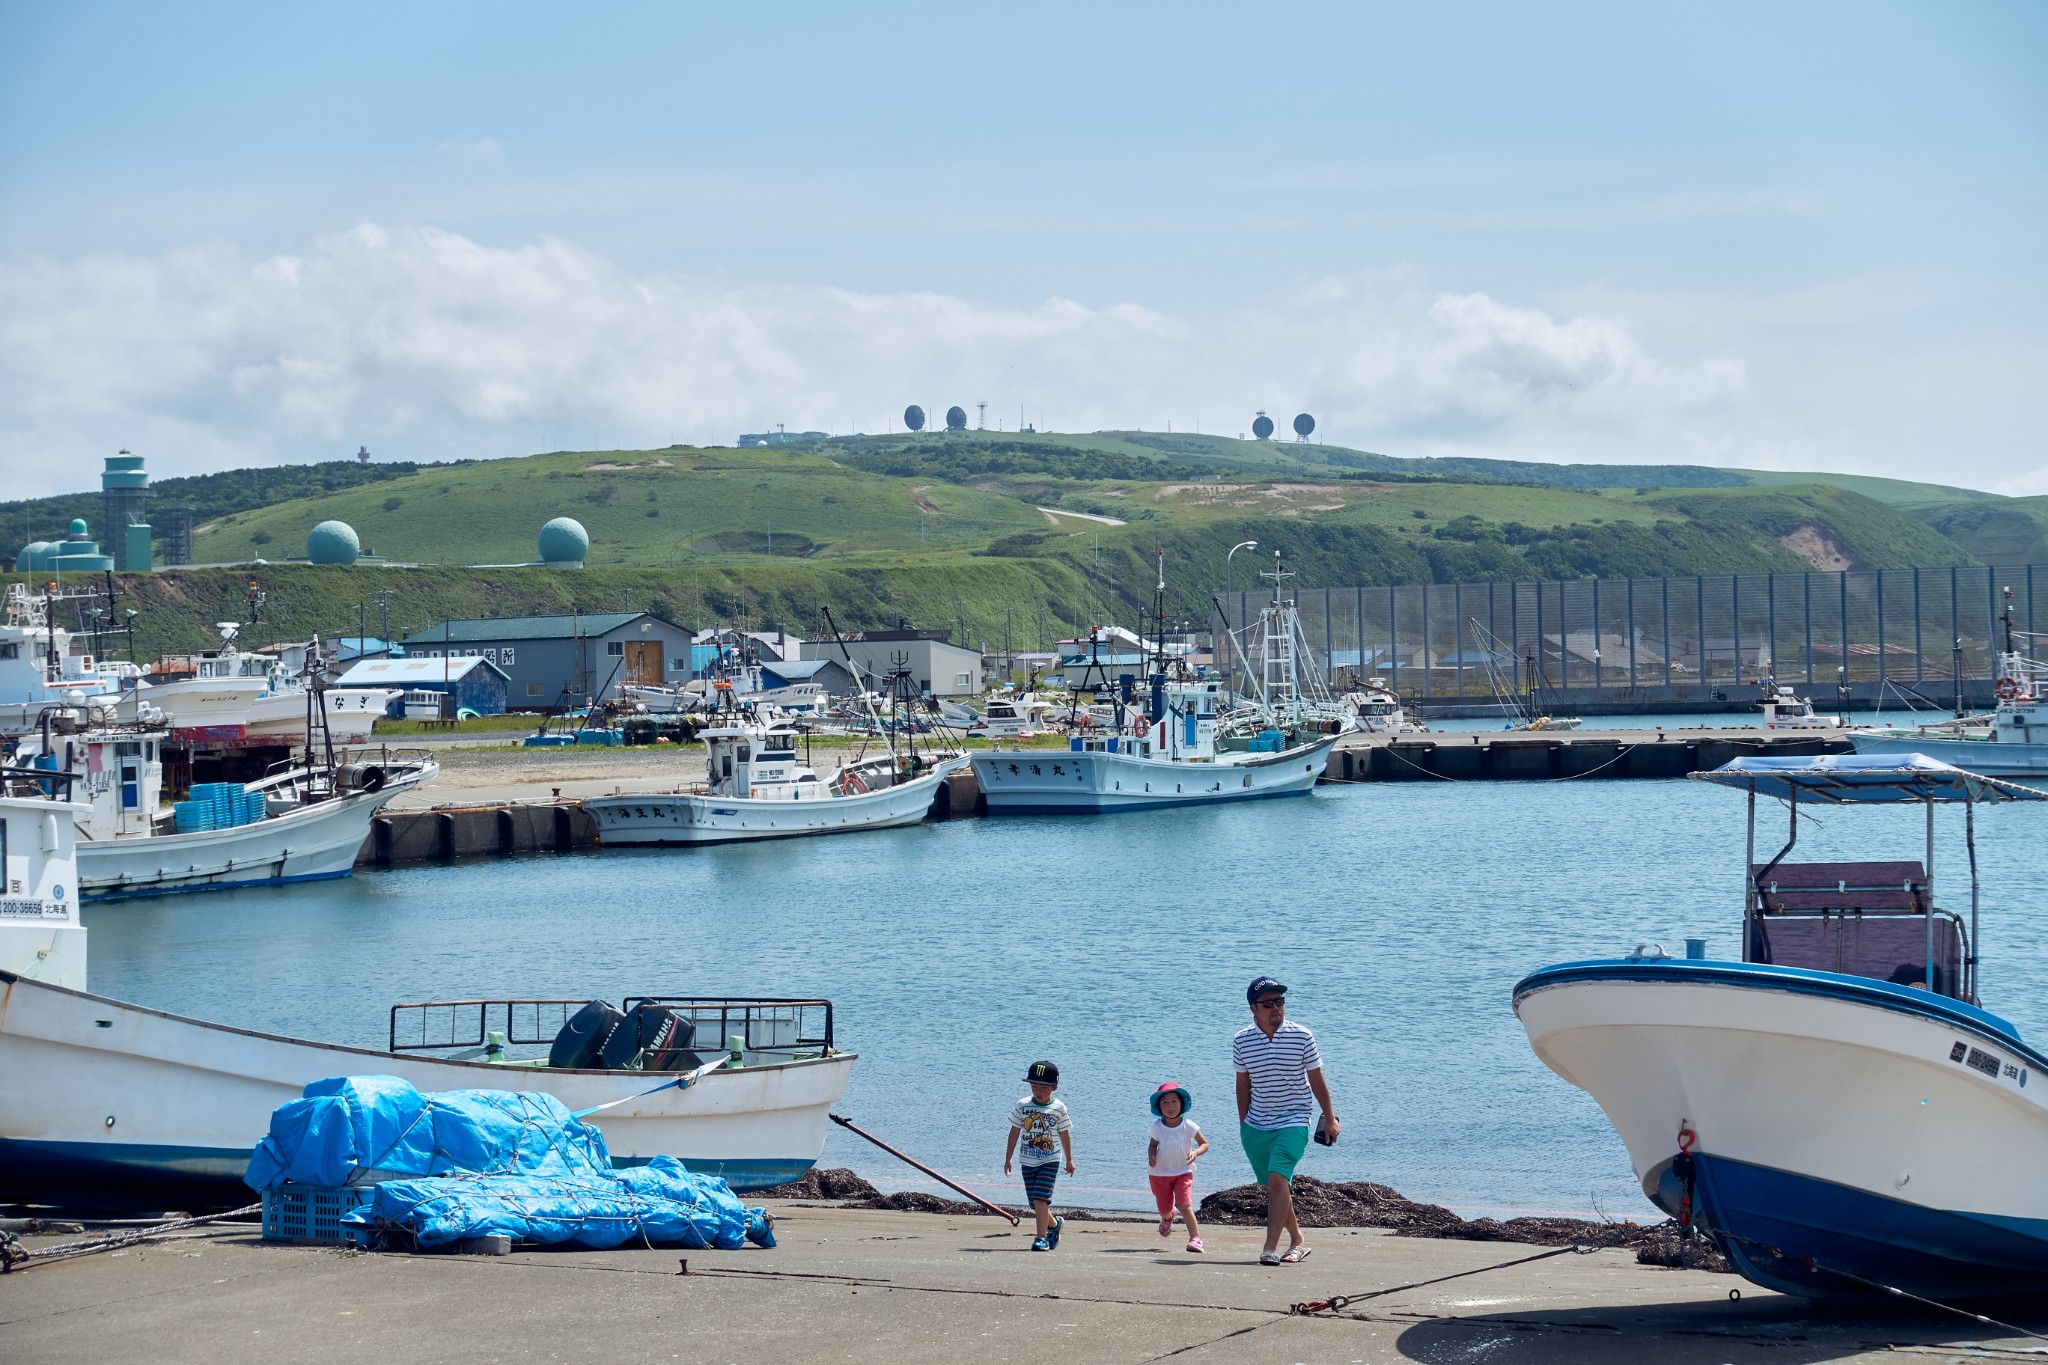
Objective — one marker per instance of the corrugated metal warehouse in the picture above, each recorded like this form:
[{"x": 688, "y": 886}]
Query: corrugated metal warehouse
[{"x": 557, "y": 663}]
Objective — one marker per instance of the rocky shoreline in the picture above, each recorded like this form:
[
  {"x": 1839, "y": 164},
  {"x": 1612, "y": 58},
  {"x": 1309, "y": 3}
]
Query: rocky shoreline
[{"x": 1322, "y": 1204}]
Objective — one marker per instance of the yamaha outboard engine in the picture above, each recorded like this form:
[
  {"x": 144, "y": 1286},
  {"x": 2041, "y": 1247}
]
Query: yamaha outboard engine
[
  {"x": 582, "y": 1040},
  {"x": 650, "y": 1038}
]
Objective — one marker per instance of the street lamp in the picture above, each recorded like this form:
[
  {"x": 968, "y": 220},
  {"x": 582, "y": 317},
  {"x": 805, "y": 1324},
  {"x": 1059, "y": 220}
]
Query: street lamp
[{"x": 1242, "y": 545}]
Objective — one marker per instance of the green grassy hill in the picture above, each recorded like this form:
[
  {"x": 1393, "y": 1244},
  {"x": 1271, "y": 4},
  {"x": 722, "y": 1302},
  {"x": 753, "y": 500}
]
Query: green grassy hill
[{"x": 946, "y": 526}]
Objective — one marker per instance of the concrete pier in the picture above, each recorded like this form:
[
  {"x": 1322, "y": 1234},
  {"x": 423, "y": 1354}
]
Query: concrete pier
[
  {"x": 1511, "y": 756},
  {"x": 884, "y": 1288}
]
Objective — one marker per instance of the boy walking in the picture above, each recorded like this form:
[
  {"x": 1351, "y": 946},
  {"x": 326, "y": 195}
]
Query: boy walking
[{"x": 1034, "y": 1123}]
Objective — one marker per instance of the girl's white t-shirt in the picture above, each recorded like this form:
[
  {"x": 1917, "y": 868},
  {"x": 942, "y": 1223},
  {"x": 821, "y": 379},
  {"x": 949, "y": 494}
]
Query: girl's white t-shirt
[{"x": 1175, "y": 1147}]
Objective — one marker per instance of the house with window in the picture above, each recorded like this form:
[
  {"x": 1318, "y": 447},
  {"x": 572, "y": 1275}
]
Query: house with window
[
  {"x": 559, "y": 663},
  {"x": 464, "y": 684}
]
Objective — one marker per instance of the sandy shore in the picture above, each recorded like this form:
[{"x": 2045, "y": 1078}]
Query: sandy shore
[{"x": 894, "y": 1288}]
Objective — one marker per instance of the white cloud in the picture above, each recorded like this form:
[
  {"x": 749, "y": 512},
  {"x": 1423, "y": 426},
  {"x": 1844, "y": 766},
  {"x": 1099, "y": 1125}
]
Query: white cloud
[{"x": 425, "y": 344}]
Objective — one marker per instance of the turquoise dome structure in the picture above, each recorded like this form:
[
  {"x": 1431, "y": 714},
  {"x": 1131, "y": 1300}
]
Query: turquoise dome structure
[
  {"x": 34, "y": 556},
  {"x": 77, "y": 553},
  {"x": 564, "y": 543},
  {"x": 333, "y": 542}
]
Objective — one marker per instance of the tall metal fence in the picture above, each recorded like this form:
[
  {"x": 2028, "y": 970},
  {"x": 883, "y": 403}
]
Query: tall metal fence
[{"x": 1897, "y": 626}]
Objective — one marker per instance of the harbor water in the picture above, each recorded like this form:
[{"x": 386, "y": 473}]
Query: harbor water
[{"x": 1400, "y": 915}]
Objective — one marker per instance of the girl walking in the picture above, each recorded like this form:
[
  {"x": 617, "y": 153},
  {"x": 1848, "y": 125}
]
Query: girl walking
[{"x": 1170, "y": 1157}]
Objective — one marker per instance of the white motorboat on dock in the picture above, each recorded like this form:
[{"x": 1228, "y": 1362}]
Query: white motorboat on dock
[
  {"x": 2012, "y": 741},
  {"x": 105, "y": 1104},
  {"x": 305, "y": 823},
  {"x": 1834, "y": 1108}
]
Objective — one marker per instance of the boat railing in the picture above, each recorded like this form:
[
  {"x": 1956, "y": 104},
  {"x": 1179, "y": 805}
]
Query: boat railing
[
  {"x": 767, "y": 1025},
  {"x": 36, "y": 782},
  {"x": 1868, "y": 919}
]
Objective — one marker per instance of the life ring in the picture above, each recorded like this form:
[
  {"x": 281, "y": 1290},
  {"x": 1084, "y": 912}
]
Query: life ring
[
  {"x": 2007, "y": 689},
  {"x": 852, "y": 785}
]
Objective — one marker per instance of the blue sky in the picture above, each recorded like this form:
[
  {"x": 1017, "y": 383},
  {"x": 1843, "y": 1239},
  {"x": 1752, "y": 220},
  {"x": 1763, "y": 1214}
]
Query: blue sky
[{"x": 1796, "y": 237}]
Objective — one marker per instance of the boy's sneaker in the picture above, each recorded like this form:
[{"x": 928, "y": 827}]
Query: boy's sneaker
[
  {"x": 1040, "y": 1244},
  {"x": 1052, "y": 1239}
]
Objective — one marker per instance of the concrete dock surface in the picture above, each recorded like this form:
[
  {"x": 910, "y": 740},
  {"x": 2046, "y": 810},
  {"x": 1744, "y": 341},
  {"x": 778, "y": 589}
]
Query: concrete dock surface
[{"x": 888, "y": 1288}]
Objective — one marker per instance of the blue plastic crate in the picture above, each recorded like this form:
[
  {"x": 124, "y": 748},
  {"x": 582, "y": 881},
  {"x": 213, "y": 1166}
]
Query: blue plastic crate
[{"x": 312, "y": 1213}]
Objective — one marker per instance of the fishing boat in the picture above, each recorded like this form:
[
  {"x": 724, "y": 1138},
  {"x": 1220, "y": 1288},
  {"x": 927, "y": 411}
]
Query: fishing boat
[
  {"x": 1785, "y": 709},
  {"x": 2012, "y": 741},
  {"x": 1835, "y": 1109},
  {"x": 40, "y": 671},
  {"x": 1171, "y": 750},
  {"x": 304, "y": 822},
  {"x": 1530, "y": 704},
  {"x": 110, "y": 1105},
  {"x": 1013, "y": 714},
  {"x": 756, "y": 787},
  {"x": 1376, "y": 709},
  {"x": 283, "y": 713}
]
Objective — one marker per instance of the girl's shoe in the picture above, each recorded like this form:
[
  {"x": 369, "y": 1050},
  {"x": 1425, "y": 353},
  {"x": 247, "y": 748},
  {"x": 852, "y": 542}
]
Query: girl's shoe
[
  {"x": 1269, "y": 1258},
  {"x": 1166, "y": 1227},
  {"x": 1195, "y": 1245},
  {"x": 1040, "y": 1244},
  {"x": 1052, "y": 1239}
]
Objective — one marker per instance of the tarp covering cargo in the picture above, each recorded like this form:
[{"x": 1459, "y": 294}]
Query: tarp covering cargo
[
  {"x": 659, "y": 1204},
  {"x": 469, "y": 1163}
]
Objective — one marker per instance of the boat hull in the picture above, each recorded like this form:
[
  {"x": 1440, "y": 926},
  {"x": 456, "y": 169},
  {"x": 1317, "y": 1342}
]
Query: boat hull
[
  {"x": 352, "y": 713},
  {"x": 679, "y": 818},
  {"x": 1093, "y": 782},
  {"x": 1992, "y": 758},
  {"x": 108, "y": 1104},
  {"x": 313, "y": 843},
  {"x": 1848, "y": 1132}
]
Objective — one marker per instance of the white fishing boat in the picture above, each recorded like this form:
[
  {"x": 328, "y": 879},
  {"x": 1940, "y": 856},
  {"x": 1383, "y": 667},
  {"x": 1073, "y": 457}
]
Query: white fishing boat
[
  {"x": 1171, "y": 751},
  {"x": 1376, "y": 709},
  {"x": 756, "y": 787},
  {"x": 1784, "y": 709},
  {"x": 285, "y": 713},
  {"x": 1834, "y": 1109},
  {"x": 41, "y": 671},
  {"x": 1012, "y": 714},
  {"x": 105, "y": 1104},
  {"x": 306, "y": 823},
  {"x": 208, "y": 695},
  {"x": 2012, "y": 741}
]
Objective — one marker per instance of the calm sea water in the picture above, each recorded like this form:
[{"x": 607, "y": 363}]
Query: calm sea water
[{"x": 1401, "y": 915}]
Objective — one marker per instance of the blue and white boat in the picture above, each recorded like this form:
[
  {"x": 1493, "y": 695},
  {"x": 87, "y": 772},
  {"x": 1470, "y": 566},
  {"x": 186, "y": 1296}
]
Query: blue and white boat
[{"x": 1835, "y": 1110}]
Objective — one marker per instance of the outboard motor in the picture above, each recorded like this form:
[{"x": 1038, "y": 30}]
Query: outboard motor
[
  {"x": 582, "y": 1040},
  {"x": 651, "y": 1038},
  {"x": 364, "y": 777}
]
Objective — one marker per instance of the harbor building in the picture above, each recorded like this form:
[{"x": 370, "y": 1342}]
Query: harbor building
[
  {"x": 555, "y": 663},
  {"x": 938, "y": 666},
  {"x": 467, "y": 683}
]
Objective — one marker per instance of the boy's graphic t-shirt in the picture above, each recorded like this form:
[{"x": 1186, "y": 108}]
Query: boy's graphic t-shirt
[
  {"x": 1177, "y": 1144},
  {"x": 1038, "y": 1128}
]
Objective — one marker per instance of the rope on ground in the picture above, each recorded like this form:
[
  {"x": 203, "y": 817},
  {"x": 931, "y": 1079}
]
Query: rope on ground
[
  {"x": 1339, "y": 1302},
  {"x": 1811, "y": 1264},
  {"x": 18, "y": 1259}
]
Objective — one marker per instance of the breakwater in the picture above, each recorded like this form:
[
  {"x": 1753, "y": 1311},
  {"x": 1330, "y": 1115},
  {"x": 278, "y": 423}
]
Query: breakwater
[{"x": 518, "y": 827}]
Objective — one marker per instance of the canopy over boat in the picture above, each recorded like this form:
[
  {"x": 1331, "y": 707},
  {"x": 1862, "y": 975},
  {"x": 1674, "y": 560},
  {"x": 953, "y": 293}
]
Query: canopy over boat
[{"x": 1842, "y": 779}]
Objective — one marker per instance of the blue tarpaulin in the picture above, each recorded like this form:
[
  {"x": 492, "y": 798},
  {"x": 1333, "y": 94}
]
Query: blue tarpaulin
[{"x": 469, "y": 1163}]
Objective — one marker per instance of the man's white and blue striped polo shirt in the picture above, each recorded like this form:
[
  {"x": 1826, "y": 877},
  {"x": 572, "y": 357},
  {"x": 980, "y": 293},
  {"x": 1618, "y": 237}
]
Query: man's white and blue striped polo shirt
[{"x": 1279, "y": 1068}]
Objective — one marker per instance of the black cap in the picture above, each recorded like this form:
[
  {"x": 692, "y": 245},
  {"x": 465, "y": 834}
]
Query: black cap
[
  {"x": 1262, "y": 986},
  {"x": 1042, "y": 1073}
]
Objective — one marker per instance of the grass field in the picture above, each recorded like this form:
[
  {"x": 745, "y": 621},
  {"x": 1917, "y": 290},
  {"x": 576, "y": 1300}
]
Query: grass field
[{"x": 988, "y": 532}]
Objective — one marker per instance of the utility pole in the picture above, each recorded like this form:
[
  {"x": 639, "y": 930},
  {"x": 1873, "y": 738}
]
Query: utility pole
[{"x": 384, "y": 617}]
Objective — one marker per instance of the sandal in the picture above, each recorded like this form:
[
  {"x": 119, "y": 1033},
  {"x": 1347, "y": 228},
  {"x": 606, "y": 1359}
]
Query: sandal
[
  {"x": 1269, "y": 1258},
  {"x": 1052, "y": 1238},
  {"x": 1195, "y": 1245},
  {"x": 1166, "y": 1227},
  {"x": 1294, "y": 1254}
]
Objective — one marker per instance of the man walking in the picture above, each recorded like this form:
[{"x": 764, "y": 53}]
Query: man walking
[{"x": 1278, "y": 1069}]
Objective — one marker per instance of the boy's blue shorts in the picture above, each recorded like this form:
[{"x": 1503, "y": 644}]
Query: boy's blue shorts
[{"x": 1038, "y": 1181}]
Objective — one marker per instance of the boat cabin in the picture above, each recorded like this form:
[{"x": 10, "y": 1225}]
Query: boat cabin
[
  {"x": 40, "y": 936},
  {"x": 1185, "y": 731},
  {"x": 756, "y": 762},
  {"x": 116, "y": 774},
  {"x": 1875, "y": 920}
]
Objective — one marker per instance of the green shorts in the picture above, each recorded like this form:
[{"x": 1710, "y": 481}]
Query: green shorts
[{"x": 1273, "y": 1151}]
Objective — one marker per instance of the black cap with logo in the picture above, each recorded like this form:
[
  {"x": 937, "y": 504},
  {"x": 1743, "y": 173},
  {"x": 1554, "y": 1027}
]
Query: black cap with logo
[
  {"x": 1265, "y": 985},
  {"x": 1042, "y": 1073}
]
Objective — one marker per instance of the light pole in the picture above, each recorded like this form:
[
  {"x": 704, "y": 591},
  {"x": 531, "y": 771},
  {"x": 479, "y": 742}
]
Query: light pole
[{"x": 1228, "y": 581}]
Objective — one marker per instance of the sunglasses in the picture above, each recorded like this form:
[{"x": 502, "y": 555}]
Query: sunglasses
[{"x": 1270, "y": 1002}]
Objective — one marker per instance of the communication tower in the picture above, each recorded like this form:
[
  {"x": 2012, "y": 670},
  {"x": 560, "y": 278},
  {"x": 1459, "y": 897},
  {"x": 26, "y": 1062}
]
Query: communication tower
[{"x": 981, "y": 423}]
